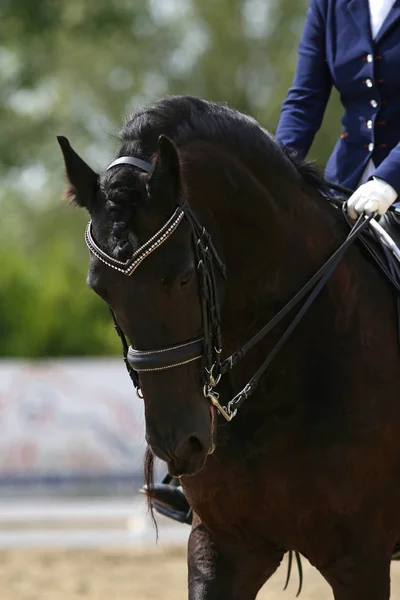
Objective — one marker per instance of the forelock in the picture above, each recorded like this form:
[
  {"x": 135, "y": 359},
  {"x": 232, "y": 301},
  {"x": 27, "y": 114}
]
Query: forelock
[{"x": 122, "y": 190}]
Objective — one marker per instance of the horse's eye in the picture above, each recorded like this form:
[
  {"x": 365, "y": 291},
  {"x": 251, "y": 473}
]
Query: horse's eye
[{"x": 186, "y": 277}]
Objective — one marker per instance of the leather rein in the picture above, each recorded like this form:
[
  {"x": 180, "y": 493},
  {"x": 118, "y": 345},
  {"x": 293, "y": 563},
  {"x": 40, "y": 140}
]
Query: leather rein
[{"x": 209, "y": 346}]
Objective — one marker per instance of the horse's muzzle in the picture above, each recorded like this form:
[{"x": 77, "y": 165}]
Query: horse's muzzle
[{"x": 187, "y": 458}]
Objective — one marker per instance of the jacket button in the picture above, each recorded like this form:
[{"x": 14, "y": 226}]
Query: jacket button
[
  {"x": 374, "y": 103},
  {"x": 370, "y": 147},
  {"x": 369, "y": 124},
  {"x": 370, "y": 58},
  {"x": 368, "y": 83}
]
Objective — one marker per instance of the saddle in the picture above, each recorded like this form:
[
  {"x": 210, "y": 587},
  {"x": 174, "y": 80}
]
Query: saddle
[
  {"x": 378, "y": 246},
  {"x": 383, "y": 248}
]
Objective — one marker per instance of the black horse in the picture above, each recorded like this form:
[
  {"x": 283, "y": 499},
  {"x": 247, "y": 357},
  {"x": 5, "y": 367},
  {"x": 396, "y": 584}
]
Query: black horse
[{"x": 311, "y": 461}]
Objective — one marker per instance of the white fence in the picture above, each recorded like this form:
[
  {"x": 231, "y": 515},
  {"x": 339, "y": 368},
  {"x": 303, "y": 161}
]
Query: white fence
[{"x": 68, "y": 421}]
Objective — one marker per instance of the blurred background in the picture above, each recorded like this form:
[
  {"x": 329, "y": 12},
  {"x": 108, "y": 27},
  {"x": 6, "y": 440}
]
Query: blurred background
[{"x": 72, "y": 434}]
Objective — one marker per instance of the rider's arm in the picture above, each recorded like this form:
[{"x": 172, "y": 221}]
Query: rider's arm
[{"x": 304, "y": 107}]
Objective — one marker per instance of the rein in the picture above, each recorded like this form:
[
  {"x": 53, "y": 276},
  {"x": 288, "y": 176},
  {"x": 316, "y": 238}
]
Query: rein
[
  {"x": 209, "y": 347},
  {"x": 313, "y": 286}
]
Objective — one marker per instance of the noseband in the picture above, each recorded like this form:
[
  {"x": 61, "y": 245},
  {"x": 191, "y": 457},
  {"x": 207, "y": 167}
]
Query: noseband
[{"x": 209, "y": 346}]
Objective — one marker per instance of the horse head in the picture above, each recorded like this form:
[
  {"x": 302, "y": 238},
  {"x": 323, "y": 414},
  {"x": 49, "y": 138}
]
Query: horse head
[{"x": 143, "y": 264}]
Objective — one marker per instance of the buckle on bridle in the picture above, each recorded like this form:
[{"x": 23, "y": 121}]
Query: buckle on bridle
[
  {"x": 212, "y": 382},
  {"x": 225, "y": 411}
]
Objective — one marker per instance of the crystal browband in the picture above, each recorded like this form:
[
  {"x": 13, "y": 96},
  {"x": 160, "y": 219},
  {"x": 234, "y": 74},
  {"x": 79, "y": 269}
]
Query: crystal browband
[{"x": 129, "y": 266}]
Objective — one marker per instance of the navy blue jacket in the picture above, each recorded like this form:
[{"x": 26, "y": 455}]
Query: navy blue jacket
[{"x": 336, "y": 48}]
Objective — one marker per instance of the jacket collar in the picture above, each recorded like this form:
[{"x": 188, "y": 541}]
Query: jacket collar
[
  {"x": 389, "y": 22},
  {"x": 359, "y": 11}
]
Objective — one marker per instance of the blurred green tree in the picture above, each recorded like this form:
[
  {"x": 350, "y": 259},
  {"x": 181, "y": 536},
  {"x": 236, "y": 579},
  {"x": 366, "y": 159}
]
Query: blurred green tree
[{"x": 77, "y": 67}]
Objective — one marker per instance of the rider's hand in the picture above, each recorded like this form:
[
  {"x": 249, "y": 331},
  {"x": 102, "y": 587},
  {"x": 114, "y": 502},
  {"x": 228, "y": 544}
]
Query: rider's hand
[{"x": 375, "y": 196}]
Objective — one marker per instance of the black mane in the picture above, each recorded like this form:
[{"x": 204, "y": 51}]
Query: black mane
[{"x": 183, "y": 118}]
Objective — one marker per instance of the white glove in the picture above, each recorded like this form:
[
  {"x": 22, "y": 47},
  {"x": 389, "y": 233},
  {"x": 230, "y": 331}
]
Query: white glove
[{"x": 375, "y": 196}]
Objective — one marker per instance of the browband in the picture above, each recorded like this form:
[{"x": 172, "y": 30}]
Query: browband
[{"x": 128, "y": 267}]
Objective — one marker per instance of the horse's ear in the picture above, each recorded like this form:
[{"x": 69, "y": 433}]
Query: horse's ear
[
  {"x": 82, "y": 180},
  {"x": 165, "y": 176}
]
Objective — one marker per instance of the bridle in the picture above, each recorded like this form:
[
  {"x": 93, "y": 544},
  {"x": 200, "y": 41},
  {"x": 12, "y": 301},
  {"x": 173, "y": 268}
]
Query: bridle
[
  {"x": 206, "y": 347},
  {"x": 209, "y": 346}
]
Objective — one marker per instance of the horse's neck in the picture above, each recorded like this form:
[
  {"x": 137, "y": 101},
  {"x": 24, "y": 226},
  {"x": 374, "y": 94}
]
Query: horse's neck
[
  {"x": 276, "y": 231},
  {"x": 272, "y": 241},
  {"x": 273, "y": 245}
]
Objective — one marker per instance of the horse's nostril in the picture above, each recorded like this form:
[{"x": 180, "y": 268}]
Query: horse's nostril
[
  {"x": 194, "y": 445},
  {"x": 189, "y": 457}
]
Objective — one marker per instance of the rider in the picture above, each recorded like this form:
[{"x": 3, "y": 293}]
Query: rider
[{"x": 354, "y": 45}]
